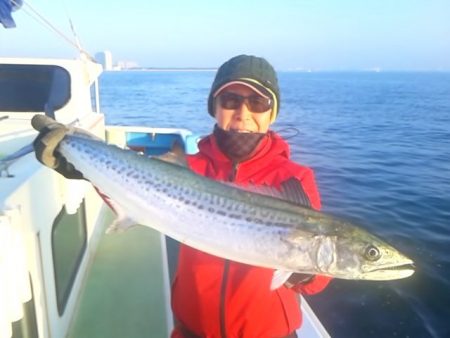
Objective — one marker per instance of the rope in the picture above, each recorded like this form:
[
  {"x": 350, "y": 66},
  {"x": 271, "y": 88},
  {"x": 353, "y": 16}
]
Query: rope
[
  {"x": 72, "y": 26},
  {"x": 10, "y": 159},
  {"x": 32, "y": 12},
  {"x": 288, "y": 130}
]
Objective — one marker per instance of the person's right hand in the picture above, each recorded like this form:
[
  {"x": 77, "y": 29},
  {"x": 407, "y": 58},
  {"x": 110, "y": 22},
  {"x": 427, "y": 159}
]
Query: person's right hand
[{"x": 46, "y": 145}]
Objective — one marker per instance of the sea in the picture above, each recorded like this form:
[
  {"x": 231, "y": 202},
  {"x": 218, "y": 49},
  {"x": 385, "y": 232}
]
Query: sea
[{"x": 379, "y": 143}]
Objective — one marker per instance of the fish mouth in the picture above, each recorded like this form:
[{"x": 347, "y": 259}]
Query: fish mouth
[
  {"x": 406, "y": 266},
  {"x": 390, "y": 272}
]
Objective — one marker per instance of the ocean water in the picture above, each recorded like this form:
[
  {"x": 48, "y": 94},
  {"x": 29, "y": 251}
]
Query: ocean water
[{"x": 380, "y": 146}]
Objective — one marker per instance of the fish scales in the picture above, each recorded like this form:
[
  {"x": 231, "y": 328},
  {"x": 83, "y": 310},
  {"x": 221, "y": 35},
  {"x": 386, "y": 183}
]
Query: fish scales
[
  {"x": 164, "y": 193},
  {"x": 229, "y": 222}
]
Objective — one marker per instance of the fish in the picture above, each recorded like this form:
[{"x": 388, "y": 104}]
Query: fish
[{"x": 229, "y": 221}]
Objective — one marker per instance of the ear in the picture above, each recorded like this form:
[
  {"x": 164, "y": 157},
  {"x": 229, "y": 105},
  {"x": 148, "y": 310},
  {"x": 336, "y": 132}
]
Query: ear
[{"x": 273, "y": 115}]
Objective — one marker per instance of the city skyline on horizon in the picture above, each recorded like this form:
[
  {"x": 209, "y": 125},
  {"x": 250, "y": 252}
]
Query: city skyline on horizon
[
  {"x": 302, "y": 34},
  {"x": 133, "y": 65}
]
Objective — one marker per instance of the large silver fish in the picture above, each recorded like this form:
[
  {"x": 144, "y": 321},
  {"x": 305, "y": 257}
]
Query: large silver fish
[{"x": 229, "y": 222}]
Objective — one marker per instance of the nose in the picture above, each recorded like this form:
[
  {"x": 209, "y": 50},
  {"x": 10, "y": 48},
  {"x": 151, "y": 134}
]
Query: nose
[{"x": 243, "y": 113}]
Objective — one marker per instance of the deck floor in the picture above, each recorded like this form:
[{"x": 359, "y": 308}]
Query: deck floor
[{"x": 123, "y": 294}]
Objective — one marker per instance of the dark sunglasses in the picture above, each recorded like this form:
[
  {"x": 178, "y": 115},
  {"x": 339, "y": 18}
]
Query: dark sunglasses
[{"x": 255, "y": 103}]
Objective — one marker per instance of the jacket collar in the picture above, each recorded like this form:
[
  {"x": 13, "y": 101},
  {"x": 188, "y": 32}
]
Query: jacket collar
[{"x": 272, "y": 147}]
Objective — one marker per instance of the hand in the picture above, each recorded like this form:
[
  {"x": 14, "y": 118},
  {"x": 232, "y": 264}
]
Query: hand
[
  {"x": 297, "y": 278},
  {"x": 46, "y": 145}
]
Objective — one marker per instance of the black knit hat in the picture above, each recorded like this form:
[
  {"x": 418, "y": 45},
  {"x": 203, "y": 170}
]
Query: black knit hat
[{"x": 251, "y": 70}]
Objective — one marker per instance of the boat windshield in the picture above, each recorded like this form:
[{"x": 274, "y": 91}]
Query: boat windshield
[{"x": 33, "y": 88}]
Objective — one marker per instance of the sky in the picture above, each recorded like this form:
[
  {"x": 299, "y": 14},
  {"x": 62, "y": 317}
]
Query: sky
[{"x": 291, "y": 34}]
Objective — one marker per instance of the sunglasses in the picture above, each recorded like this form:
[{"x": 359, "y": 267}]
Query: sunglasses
[{"x": 255, "y": 103}]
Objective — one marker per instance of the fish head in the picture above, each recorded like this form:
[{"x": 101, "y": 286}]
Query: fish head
[{"x": 360, "y": 255}]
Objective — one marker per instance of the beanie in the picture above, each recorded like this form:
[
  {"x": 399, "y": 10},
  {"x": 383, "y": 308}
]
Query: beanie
[{"x": 254, "y": 71}]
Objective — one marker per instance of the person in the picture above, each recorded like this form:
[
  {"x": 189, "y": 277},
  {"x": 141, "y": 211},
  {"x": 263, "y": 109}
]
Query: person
[
  {"x": 211, "y": 296},
  {"x": 214, "y": 297}
]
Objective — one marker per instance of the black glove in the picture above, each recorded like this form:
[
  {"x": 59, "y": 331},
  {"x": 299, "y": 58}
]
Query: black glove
[
  {"x": 298, "y": 278},
  {"x": 46, "y": 145}
]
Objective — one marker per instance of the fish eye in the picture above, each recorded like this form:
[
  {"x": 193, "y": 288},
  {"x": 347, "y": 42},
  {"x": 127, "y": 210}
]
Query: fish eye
[{"x": 372, "y": 253}]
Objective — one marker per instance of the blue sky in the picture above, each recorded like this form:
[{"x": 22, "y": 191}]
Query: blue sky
[{"x": 291, "y": 34}]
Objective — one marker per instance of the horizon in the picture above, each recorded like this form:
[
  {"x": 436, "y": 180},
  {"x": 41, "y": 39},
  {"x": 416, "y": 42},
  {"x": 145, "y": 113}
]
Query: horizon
[
  {"x": 213, "y": 69},
  {"x": 303, "y": 35}
]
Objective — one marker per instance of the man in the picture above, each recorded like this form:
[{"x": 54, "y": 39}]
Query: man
[{"x": 214, "y": 297}]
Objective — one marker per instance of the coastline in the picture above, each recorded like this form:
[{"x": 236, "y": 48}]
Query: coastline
[{"x": 172, "y": 69}]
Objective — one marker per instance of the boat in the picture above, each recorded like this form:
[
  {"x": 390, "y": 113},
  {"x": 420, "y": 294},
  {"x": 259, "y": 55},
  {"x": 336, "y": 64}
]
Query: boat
[{"x": 60, "y": 274}]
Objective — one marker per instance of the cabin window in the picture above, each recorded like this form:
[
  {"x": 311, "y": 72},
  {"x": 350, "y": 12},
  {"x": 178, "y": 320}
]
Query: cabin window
[
  {"x": 69, "y": 238},
  {"x": 33, "y": 88},
  {"x": 26, "y": 327},
  {"x": 95, "y": 100}
]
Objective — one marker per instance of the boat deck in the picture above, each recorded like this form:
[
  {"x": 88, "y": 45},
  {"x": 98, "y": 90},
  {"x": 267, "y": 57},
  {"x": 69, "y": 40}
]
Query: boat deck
[{"x": 123, "y": 295}]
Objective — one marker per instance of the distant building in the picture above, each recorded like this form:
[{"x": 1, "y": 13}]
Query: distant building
[
  {"x": 105, "y": 59},
  {"x": 127, "y": 64}
]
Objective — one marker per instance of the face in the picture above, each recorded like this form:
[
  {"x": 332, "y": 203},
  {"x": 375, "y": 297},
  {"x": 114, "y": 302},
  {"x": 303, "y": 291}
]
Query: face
[{"x": 241, "y": 119}]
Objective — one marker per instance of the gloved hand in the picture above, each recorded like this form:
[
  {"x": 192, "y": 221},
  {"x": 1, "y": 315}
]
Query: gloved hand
[
  {"x": 46, "y": 145},
  {"x": 297, "y": 278}
]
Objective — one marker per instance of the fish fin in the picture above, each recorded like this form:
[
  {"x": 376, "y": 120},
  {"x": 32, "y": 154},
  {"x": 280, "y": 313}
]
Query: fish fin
[
  {"x": 121, "y": 222},
  {"x": 257, "y": 189},
  {"x": 290, "y": 191},
  {"x": 279, "y": 278},
  {"x": 176, "y": 155},
  {"x": 109, "y": 202}
]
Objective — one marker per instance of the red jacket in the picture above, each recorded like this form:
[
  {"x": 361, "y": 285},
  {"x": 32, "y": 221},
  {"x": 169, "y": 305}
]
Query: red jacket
[{"x": 211, "y": 296}]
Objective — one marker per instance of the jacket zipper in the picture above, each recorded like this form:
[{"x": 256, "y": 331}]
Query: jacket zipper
[
  {"x": 226, "y": 268},
  {"x": 233, "y": 173}
]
